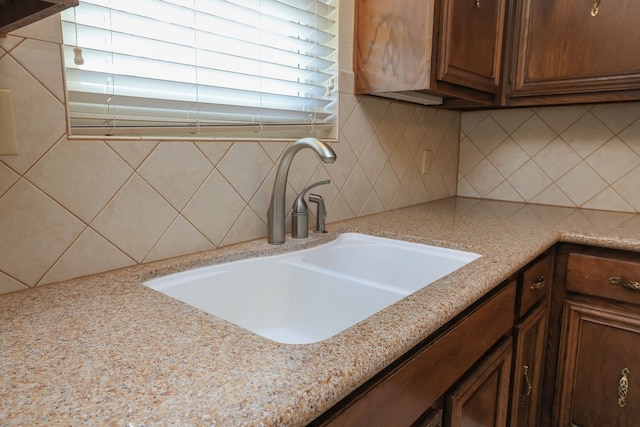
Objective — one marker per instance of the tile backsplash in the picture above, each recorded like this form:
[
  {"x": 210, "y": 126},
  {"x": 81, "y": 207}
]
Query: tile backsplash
[
  {"x": 70, "y": 208},
  {"x": 584, "y": 156}
]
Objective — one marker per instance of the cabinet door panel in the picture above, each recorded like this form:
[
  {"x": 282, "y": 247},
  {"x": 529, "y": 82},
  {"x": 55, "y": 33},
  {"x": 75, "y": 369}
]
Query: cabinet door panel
[
  {"x": 482, "y": 399},
  {"x": 393, "y": 42},
  {"x": 471, "y": 43},
  {"x": 598, "y": 344},
  {"x": 562, "y": 48},
  {"x": 527, "y": 369}
]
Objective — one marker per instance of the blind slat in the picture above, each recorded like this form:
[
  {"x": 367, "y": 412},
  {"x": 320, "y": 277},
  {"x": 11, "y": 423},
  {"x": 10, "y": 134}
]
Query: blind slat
[{"x": 200, "y": 64}]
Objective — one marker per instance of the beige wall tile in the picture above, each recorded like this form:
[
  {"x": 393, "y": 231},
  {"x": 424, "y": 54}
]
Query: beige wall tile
[
  {"x": 40, "y": 117},
  {"x": 135, "y": 219},
  {"x": 81, "y": 175},
  {"x": 248, "y": 226},
  {"x": 7, "y": 178},
  {"x": 8, "y": 284},
  {"x": 88, "y": 254},
  {"x": 176, "y": 170},
  {"x": 35, "y": 231},
  {"x": 39, "y": 58},
  {"x": 180, "y": 238},
  {"x": 214, "y": 208},
  {"x": 133, "y": 152},
  {"x": 585, "y": 156},
  {"x": 586, "y": 135},
  {"x": 245, "y": 166}
]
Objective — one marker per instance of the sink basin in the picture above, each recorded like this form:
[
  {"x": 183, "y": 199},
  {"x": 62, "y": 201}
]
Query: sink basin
[{"x": 313, "y": 294}]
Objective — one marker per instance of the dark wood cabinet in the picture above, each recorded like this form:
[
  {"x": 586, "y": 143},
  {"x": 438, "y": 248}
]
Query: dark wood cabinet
[
  {"x": 406, "y": 392},
  {"x": 469, "y": 47},
  {"x": 431, "y": 419},
  {"x": 449, "y": 48},
  {"x": 600, "y": 367},
  {"x": 482, "y": 369},
  {"x": 16, "y": 14},
  {"x": 592, "y": 362},
  {"x": 392, "y": 45},
  {"x": 529, "y": 340},
  {"x": 477, "y": 53},
  {"x": 574, "y": 51},
  {"x": 483, "y": 398},
  {"x": 534, "y": 285}
]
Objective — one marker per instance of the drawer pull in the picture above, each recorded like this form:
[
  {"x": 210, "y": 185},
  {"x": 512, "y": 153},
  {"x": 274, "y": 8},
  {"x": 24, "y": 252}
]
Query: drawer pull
[
  {"x": 621, "y": 281},
  {"x": 623, "y": 387},
  {"x": 538, "y": 284},
  {"x": 525, "y": 373},
  {"x": 595, "y": 7}
]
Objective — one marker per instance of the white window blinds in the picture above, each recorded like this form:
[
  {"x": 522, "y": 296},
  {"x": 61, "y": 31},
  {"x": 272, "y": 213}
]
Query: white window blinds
[{"x": 201, "y": 67}]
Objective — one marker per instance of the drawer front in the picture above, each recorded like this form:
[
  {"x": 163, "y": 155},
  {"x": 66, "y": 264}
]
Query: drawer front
[
  {"x": 534, "y": 284},
  {"x": 605, "y": 277}
]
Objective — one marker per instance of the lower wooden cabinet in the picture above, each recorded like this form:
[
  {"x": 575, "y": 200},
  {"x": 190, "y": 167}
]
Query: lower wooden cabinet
[
  {"x": 529, "y": 338},
  {"x": 432, "y": 419},
  {"x": 594, "y": 359},
  {"x": 599, "y": 373},
  {"x": 406, "y": 392},
  {"x": 483, "y": 398},
  {"x": 462, "y": 377}
]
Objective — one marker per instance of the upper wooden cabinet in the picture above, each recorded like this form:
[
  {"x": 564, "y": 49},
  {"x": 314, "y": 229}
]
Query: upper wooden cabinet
[
  {"x": 470, "y": 43},
  {"x": 499, "y": 52},
  {"x": 573, "y": 50},
  {"x": 393, "y": 41},
  {"x": 15, "y": 14},
  {"x": 452, "y": 48}
]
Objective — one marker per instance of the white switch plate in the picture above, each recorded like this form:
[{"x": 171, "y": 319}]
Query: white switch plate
[{"x": 8, "y": 134}]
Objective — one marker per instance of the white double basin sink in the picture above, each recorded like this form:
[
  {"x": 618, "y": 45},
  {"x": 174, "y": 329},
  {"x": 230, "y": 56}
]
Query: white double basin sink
[{"x": 313, "y": 294}]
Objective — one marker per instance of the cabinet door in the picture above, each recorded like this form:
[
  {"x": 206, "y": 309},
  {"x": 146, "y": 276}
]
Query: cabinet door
[
  {"x": 470, "y": 50},
  {"x": 562, "y": 48},
  {"x": 527, "y": 369},
  {"x": 393, "y": 45},
  {"x": 599, "y": 373},
  {"x": 483, "y": 398}
]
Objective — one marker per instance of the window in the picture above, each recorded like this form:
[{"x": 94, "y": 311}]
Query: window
[{"x": 201, "y": 68}]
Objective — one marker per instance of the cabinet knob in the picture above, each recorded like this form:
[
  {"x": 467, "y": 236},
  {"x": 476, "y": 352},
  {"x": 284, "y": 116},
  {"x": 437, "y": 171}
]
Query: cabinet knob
[
  {"x": 595, "y": 7},
  {"x": 540, "y": 283},
  {"x": 478, "y": 4}
]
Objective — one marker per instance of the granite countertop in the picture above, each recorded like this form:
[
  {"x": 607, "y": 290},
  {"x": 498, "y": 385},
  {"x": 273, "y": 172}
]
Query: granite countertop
[{"x": 106, "y": 350}]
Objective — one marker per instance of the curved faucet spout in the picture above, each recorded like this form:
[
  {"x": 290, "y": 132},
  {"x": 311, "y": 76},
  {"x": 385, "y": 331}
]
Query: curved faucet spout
[{"x": 276, "y": 213}]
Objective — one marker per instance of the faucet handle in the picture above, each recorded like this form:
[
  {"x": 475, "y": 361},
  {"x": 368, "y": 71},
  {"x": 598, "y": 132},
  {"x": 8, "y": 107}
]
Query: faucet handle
[
  {"x": 299, "y": 205},
  {"x": 300, "y": 215},
  {"x": 321, "y": 213}
]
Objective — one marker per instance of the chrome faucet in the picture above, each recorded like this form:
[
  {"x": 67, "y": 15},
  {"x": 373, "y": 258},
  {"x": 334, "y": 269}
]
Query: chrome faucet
[{"x": 276, "y": 213}]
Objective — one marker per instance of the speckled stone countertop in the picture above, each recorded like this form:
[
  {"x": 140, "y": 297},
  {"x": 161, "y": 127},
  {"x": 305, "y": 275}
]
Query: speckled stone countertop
[{"x": 106, "y": 350}]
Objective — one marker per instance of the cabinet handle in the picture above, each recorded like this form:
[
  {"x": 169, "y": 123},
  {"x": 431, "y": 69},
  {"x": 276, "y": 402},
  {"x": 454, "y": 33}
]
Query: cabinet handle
[
  {"x": 595, "y": 8},
  {"x": 623, "y": 387},
  {"x": 478, "y": 4},
  {"x": 538, "y": 284},
  {"x": 621, "y": 281},
  {"x": 525, "y": 373}
]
